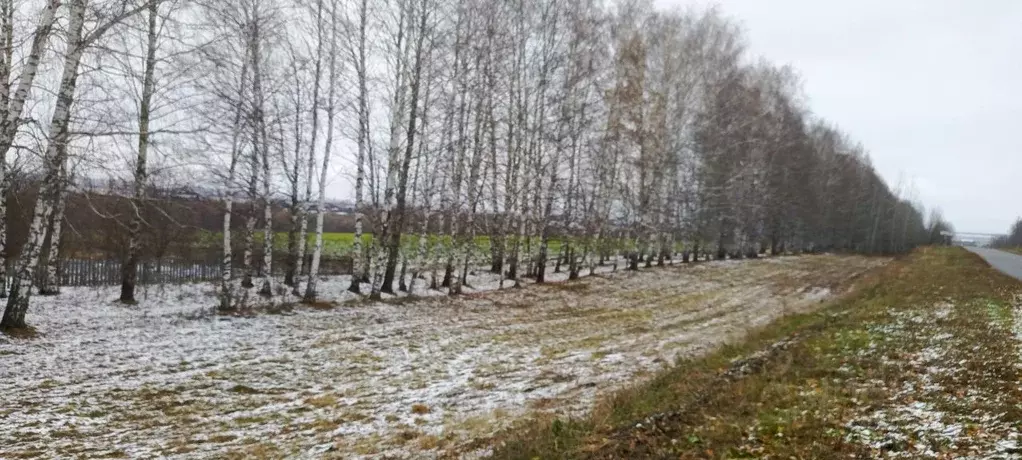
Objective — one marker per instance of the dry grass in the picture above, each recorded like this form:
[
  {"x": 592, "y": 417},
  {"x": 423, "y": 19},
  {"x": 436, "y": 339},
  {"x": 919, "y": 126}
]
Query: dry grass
[
  {"x": 1015, "y": 250},
  {"x": 351, "y": 377},
  {"x": 20, "y": 333},
  {"x": 838, "y": 367},
  {"x": 322, "y": 401},
  {"x": 322, "y": 305}
]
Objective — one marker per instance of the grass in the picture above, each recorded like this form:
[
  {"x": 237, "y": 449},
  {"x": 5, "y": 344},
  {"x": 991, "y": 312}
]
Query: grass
[
  {"x": 1014, "y": 250},
  {"x": 794, "y": 388},
  {"x": 592, "y": 338},
  {"x": 322, "y": 401},
  {"x": 343, "y": 242},
  {"x": 22, "y": 333},
  {"x": 340, "y": 243},
  {"x": 333, "y": 243}
]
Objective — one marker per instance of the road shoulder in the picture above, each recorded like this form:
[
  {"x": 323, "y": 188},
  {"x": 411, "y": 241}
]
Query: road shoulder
[{"x": 922, "y": 360}]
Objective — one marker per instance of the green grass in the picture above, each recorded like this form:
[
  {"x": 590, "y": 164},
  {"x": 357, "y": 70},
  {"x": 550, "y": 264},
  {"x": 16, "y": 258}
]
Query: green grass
[
  {"x": 1014, "y": 250},
  {"x": 797, "y": 400},
  {"x": 337, "y": 243},
  {"x": 333, "y": 243}
]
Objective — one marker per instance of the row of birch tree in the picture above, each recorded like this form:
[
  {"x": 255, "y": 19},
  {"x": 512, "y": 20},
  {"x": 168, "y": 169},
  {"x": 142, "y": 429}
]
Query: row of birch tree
[{"x": 520, "y": 136}]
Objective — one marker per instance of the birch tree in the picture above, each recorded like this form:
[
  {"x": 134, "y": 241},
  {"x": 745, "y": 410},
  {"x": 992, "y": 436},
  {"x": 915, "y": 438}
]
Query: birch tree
[
  {"x": 56, "y": 152},
  {"x": 129, "y": 270},
  {"x": 260, "y": 142},
  {"x": 360, "y": 63},
  {"x": 384, "y": 233},
  {"x": 14, "y": 103},
  {"x": 297, "y": 238},
  {"x": 622, "y": 132},
  {"x": 233, "y": 78},
  {"x": 50, "y": 282},
  {"x": 331, "y": 111}
]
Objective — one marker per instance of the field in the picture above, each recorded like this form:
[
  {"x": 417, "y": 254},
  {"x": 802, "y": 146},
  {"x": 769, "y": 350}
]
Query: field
[
  {"x": 406, "y": 378},
  {"x": 923, "y": 361},
  {"x": 340, "y": 244}
]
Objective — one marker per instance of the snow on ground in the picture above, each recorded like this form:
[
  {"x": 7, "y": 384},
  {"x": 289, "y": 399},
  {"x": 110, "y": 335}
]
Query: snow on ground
[
  {"x": 410, "y": 378},
  {"x": 943, "y": 407}
]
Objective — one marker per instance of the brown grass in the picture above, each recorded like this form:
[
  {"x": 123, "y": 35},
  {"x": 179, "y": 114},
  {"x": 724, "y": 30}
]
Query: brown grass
[
  {"x": 321, "y": 305},
  {"x": 20, "y": 333},
  {"x": 322, "y": 401},
  {"x": 793, "y": 403},
  {"x": 567, "y": 286}
]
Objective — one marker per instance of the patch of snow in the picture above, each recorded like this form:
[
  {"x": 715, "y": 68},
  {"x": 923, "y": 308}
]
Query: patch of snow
[
  {"x": 910, "y": 425},
  {"x": 148, "y": 379}
]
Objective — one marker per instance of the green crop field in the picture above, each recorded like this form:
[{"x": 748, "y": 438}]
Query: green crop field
[{"x": 338, "y": 243}]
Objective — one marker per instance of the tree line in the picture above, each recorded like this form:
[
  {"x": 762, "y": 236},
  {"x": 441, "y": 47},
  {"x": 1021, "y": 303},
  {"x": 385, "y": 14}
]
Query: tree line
[
  {"x": 1011, "y": 240},
  {"x": 616, "y": 129}
]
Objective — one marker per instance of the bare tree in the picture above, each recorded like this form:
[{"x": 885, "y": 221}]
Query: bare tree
[
  {"x": 129, "y": 270},
  {"x": 331, "y": 112},
  {"x": 359, "y": 59},
  {"x": 15, "y": 103},
  {"x": 56, "y": 151},
  {"x": 297, "y": 238}
]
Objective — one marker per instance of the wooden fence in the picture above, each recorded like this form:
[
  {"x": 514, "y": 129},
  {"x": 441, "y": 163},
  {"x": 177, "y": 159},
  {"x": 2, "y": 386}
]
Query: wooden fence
[
  {"x": 100, "y": 272},
  {"x": 91, "y": 272}
]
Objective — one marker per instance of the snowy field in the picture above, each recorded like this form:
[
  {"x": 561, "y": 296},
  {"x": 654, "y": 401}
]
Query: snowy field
[
  {"x": 408, "y": 378},
  {"x": 954, "y": 388}
]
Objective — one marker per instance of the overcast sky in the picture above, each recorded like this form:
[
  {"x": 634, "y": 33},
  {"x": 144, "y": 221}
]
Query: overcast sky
[{"x": 932, "y": 88}]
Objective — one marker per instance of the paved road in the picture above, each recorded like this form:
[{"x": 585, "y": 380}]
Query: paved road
[{"x": 1004, "y": 261}]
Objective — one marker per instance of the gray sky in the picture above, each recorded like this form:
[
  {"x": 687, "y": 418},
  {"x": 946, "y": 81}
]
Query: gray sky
[{"x": 932, "y": 88}]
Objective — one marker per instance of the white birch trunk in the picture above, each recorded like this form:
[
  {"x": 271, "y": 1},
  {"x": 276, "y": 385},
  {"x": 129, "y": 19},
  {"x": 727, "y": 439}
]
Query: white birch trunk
[
  {"x": 381, "y": 234},
  {"x": 250, "y": 217},
  {"x": 21, "y": 290},
  {"x": 511, "y": 185},
  {"x": 260, "y": 153},
  {"x": 436, "y": 256},
  {"x": 402, "y": 285},
  {"x": 7, "y": 9},
  {"x": 15, "y": 105},
  {"x": 50, "y": 284},
  {"x": 363, "y": 139},
  {"x": 268, "y": 236},
  {"x": 474, "y": 189},
  {"x": 129, "y": 271},
  {"x": 421, "y": 254},
  {"x": 303, "y": 225},
  {"x": 226, "y": 286},
  {"x": 452, "y": 249},
  {"x": 317, "y": 252},
  {"x": 298, "y": 204}
]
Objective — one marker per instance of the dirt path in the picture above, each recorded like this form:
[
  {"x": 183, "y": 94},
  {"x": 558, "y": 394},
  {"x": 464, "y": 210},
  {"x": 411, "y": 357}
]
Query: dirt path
[{"x": 414, "y": 379}]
